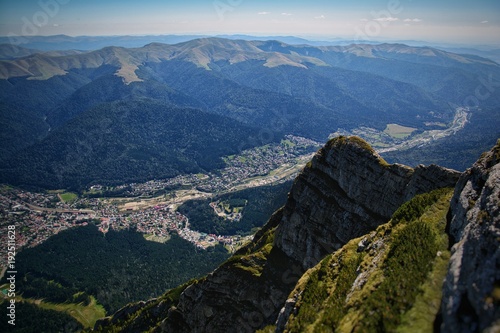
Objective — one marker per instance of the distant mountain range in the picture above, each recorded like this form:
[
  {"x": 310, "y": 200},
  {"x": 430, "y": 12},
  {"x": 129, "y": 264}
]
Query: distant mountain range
[
  {"x": 89, "y": 43},
  {"x": 61, "y": 104},
  {"x": 361, "y": 244}
]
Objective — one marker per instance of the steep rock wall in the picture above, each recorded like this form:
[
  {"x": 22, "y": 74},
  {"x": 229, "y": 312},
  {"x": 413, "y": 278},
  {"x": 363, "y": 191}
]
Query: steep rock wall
[
  {"x": 471, "y": 295},
  {"x": 347, "y": 191}
]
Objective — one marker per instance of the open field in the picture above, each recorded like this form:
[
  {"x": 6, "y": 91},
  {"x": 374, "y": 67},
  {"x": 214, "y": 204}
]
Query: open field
[
  {"x": 460, "y": 120},
  {"x": 398, "y": 131},
  {"x": 68, "y": 197},
  {"x": 181, "y": 196},
  {"x": 87, "y": 315},
  {"x": 158, "y": 239}
]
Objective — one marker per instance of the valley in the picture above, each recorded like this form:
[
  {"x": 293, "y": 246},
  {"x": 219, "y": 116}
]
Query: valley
[
  {"x": 385, "y": 141},
  {"x": 39, "y": 216},
  {"x": 459, "y": 121},
  {"x": 151, "y": 208},
  {"x": 130, "y": 173}
]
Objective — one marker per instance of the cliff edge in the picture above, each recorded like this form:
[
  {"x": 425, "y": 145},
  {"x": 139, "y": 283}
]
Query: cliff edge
[
  {"x": 345, "y": 192},
  {"x": 471, "y": 293}
]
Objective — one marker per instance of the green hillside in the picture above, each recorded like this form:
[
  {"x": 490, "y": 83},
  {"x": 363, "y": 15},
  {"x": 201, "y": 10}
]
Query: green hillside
[
  {"x": 131, "y": 141},
  {"x": 387, "y": 281}
]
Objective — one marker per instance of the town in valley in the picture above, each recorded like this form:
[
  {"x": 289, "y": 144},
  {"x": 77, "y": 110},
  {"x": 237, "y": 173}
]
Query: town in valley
[{"x": 151, "y": 207}]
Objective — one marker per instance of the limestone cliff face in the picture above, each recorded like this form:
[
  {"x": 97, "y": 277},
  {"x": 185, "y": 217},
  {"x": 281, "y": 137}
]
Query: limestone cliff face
[
  {"x": 346, "y": 192},
  {"x": 386, "y": 281},
  {"x": 242, "y": 295},
  {"x": 471, "y": 295}
]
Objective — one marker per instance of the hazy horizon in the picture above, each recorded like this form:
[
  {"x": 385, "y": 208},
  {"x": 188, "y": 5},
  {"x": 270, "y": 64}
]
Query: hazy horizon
[{"x": 457, "y": 22}]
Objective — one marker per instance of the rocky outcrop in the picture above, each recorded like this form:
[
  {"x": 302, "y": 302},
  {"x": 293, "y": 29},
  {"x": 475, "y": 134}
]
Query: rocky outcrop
[
  {"x": 243, "y": 294},
  {"x": 374, "y": 283},
  {"x": 347, "y": 191},
  {"x": 471, "y": 295}
]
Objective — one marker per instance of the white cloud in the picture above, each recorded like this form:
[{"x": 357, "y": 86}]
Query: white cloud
[
  {"x": 484, "y": 22},
  {"x": 364, "y": 20},
  {"x": 386, "y": 19},
  {"x": 264, "y": 13},
  {"x": 321, "y": 17},
  {"x": 416, "y": 20},
  {"x": 286, "y": 14}
]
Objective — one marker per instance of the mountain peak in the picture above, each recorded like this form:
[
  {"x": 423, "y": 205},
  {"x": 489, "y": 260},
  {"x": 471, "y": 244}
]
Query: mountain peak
[
  {"x": 355, "y": 191},
  {"x": 353, "y": 141},
  {"x": 204, "y": 51}
]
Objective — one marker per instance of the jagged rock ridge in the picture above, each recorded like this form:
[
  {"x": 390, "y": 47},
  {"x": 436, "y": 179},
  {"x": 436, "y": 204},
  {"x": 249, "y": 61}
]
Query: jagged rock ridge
[
  {"x": 345, "y": 192},
  {"x": 387, "y": 279},
  {"x": 471, "y": 295}
]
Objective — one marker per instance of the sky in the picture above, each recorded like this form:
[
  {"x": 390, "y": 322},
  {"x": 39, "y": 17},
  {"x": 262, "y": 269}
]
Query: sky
[{"x": 447, "y": 21}]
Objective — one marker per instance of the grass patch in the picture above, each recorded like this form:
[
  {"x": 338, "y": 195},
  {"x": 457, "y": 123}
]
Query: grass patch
[
  {"x": 87, "y": 315},
  {"x": 392, "y": 283},
  {"x": 411, "y": 255},
  {"x": 324, "y": 290},
  {"x": 253, "y": 258},
  {"x": 417, "y": 206},
  {"x": 420, "y": 318},
  {"x": 398, "y": 131},
  {"x": 413, "y": 272},
  {"x": 254, "y": 262},
  {"x": 68, "y": 197},
  {"x": 157, "y": 239}
]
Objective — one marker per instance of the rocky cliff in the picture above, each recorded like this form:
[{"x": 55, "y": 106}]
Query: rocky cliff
[
  {"x": 388, "y": 280},
  {"x": 392, "y": 279},
  {"x": 471, "y": 299},
  {"x": 347, "y": 191}
]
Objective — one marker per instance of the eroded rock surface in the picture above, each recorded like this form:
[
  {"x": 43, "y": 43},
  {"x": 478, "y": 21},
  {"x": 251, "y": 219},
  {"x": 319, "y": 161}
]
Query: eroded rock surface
[
  {"x": 347, "y": 191},
  {"x": 471, "y": 294}
]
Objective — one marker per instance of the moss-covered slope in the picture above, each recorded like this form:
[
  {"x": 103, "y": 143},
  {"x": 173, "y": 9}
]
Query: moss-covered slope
[{"x": 387, "y": 281}]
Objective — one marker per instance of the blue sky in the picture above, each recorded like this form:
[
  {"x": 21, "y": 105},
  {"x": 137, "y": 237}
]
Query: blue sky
[{"x": 452, "y": 21}]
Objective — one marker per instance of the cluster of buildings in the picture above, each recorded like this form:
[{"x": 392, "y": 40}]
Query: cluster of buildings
[
  {"x": 249, "y": 163},
  {"x": 257, "y": 162},
  {"x": 38, "y": 216},
  {"x": 35, "y": 217}
]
